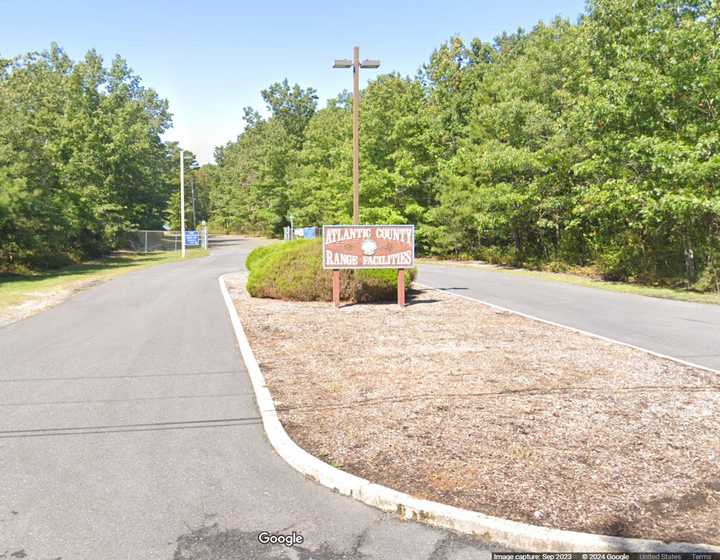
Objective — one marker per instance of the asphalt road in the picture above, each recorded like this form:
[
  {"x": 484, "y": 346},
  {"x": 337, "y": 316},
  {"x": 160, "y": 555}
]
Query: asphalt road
[
  {"x": 688, "y": 331},
  {"x": 128, "y": 429}
]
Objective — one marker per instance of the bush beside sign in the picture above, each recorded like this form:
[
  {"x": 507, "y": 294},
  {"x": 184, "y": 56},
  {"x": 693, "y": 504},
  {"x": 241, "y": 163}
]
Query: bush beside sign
[{"x": 368, "y": 246}]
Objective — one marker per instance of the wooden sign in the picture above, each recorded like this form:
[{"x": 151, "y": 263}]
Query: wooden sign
[{"x": 368, "y": 246}]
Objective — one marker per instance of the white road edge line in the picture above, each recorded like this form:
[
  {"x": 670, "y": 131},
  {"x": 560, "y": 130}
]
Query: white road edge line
[
  {"x": 513, "y": 534},
  {"x": 567, "y": 327}
]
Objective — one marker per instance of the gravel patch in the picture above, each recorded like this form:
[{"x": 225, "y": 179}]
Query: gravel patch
[{"x": 453, "y": 401}]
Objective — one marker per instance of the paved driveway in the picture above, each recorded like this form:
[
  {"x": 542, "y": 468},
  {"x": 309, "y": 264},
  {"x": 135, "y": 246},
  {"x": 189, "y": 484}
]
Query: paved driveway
[
  {"x": 689, "y": 331},
  {"x": 128, "y": 429}
]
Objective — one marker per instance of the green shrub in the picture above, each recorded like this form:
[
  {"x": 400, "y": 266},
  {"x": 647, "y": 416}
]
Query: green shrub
[
  {"x": 293, "y": 270},
  {"x": 257, "y": 255},
  {"x": 709, "y": 280},
  {"x": 497, "y": 255}
]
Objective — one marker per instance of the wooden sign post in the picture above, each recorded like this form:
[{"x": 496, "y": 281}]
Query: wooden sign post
[
  {"x": 401, "y": 287},
  {"x": 336, "y": 287},
  {"x": 369, "y": 246}
]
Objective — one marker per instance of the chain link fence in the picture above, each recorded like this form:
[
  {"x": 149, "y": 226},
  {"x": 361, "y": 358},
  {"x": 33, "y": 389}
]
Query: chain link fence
[{"x": 148, "y": 241}]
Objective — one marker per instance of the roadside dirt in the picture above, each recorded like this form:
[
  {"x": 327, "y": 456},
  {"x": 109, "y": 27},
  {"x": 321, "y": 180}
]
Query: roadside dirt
[
  {"x": 453, "y": 401},
  {"x": 37, "y": 301}
]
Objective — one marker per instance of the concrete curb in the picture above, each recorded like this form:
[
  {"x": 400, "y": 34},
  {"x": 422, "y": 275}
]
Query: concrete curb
[
  {"x": 566, "y": 327},
  {"x": 513, "y": 534}
]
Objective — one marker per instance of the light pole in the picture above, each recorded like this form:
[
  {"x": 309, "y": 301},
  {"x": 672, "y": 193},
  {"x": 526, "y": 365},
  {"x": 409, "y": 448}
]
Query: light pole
[
  {"x": 355, "y": 64},
  {"x": 182, "y": 202},
  {"x": 192, "y": 194}
]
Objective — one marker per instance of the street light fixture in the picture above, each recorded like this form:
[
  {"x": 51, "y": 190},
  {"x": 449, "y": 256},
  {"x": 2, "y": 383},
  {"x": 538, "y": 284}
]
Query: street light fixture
[{"x": 355, "y": 64}]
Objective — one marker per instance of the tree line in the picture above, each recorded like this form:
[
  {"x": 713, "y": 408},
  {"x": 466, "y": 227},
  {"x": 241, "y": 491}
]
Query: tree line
[
  {"x": 593, "y": 143},
  {"x": 81, "y": 158}
]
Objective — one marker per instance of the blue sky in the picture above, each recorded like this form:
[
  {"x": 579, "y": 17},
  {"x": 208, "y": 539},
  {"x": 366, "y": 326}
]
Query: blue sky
[{"x": 210, "y": 59}]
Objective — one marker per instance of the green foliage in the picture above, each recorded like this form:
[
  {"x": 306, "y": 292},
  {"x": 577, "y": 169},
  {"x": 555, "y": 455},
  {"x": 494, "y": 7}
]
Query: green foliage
[
  {"x": 257, "y": 255},
  {"x": 321, "y": 179},
  {"x": 292, "y": 107},
  {"x": 588, "y": 144},
  {"x": 80, "y": 157},
  {"x": 293, "y": 270},
  {"x": 591, "y": 144},
  {"x": 398, "y": 152},
  {"x": 251, "y": 191}
]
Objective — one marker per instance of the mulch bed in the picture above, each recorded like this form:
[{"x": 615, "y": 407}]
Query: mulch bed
[{"x": 453, "y": 401}]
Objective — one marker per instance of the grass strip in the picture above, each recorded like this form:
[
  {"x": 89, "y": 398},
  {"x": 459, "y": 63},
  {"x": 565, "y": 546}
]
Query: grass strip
[{"x": 17, "y": 288}]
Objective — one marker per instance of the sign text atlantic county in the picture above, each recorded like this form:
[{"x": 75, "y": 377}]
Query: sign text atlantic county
[{"x": 369, "y": 246}]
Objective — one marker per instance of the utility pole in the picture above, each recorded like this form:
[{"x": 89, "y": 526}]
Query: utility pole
[
  {"x": 356, "y": 135},
  {"x": 355, "y": 64},
  {"x": 182, "y": 202}
]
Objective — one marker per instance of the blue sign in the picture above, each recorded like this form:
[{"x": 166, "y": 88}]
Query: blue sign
[
  {"x": 309, "y": 233},
  {"x": 192, "y": 238}
]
